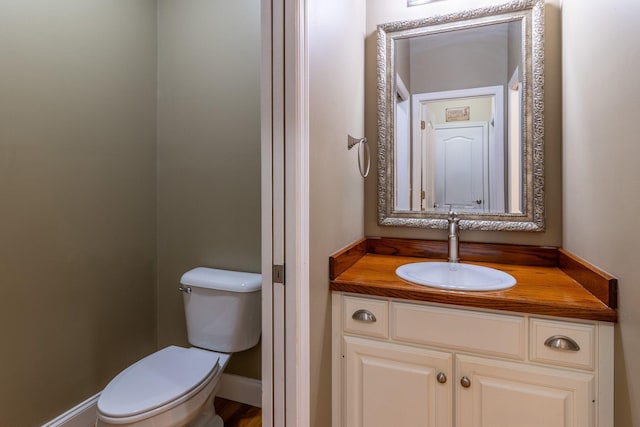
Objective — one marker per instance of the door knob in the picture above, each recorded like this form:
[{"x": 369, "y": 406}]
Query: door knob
[
  {"x": 441, "y": 377},
  {"x": 465, "y": 382}
]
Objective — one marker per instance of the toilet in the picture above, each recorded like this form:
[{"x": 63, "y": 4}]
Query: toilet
[{"x": 176, "y": 386}]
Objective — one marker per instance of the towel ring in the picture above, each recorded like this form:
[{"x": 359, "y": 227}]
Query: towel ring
[{"x": 363, "y": 153}]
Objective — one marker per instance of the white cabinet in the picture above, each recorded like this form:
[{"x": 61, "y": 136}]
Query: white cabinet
[
  {"x": 495, "y": 393},
  {"x": 395, "y": 385},
  {"x": 417, "y": 364}
]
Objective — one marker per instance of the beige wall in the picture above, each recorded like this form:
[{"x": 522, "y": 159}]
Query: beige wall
[
  {"x": 336, "y": 93},
  {"x": 515, "y": 49},
  {"x": 480, "y": 109},
  {"x": 77, "y": 191},
  {"x": 402, "y": 63},
  {"x": 601, "y": 172},
  {"x": 379, "y": 11},
  {"x": 471, "y": 62},
  {"x": 208, "y": 151}
]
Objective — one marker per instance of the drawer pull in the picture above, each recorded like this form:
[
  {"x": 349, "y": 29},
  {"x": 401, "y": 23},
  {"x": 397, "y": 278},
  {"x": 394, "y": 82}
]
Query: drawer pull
[
  {"x": 364, "y": 316},
  {"x": 465, "y": 382},
  {"x": 441, "y": 377},
  {"x": 561, "y": 342}
]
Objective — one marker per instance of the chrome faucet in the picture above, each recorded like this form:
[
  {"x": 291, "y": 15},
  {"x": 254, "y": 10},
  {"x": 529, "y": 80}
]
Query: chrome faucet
[{"x": 454, "y": 240}]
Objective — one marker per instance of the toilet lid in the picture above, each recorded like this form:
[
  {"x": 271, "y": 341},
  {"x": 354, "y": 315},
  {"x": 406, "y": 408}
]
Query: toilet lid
[{"x": 156, "y": 380}]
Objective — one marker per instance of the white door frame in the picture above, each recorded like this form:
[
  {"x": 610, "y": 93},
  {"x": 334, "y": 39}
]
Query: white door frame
[
  {"x": 270, "y": 132},
  {"x": 496, "y": 134},
  {"x": 297, "y": 215},
  {"x": 285, "y": 213},
  {"x": 402, "y": 181},
  {"x": 514, "y": 143}
]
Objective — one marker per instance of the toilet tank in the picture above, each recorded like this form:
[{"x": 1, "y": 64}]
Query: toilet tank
[{"x": 222, "y": 308}]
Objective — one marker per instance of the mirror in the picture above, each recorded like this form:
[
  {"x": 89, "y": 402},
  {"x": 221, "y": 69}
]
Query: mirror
[{"x": 460, "y": 119}]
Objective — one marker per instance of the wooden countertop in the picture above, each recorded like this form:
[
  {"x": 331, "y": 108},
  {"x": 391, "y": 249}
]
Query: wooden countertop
[{"x": 551, "y": 287}]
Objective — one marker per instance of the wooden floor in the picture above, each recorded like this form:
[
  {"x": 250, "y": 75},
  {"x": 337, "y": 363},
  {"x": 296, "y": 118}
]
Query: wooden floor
[{"x": 237, "y": 414}]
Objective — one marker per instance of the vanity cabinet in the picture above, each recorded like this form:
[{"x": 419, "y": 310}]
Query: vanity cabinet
[
  {"x": 388, "y": 384},
  {"x": 399, "y": 362},
  {"x": 494, "y": 393}
]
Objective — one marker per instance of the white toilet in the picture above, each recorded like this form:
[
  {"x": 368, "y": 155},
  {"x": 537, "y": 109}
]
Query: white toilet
[{"x": 175, "y": 386}]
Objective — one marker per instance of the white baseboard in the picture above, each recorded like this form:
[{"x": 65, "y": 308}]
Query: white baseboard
[
  {"x": 82, "y": 415},
  {"x": 241, "y": 389},
  {"x": 232, "y": 387}
]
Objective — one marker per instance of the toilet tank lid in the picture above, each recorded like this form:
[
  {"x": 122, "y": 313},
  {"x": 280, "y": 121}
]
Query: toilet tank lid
[{"x": 222, "y": 280}]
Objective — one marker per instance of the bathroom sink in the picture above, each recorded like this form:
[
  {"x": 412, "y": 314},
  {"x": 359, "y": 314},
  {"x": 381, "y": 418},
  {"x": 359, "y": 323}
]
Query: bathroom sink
[{"x": 455, "y": 276}]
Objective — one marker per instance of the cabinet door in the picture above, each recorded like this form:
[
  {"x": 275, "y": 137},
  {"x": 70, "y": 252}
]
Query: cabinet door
[
  {"x": 508, "y": 394},
  {"x": 392, "y": 385}
]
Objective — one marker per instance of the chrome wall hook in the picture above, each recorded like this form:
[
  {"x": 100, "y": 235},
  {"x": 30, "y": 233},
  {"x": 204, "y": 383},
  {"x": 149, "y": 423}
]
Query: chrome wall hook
[{"x": 361, "y": 142}]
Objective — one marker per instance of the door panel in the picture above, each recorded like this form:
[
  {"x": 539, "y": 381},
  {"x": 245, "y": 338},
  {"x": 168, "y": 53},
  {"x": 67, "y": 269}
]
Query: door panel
[
  {"x": 507, "y": 394},
  {"x": 461, "y": 172},
  {"x": 392, "y": 385}
]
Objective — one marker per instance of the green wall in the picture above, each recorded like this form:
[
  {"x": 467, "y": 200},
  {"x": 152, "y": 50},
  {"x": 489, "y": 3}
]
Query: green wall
[
  {"x": 129, "y": 153},
  {"x": 208, "y": 151},
  {"x": 77, "y": 199}
]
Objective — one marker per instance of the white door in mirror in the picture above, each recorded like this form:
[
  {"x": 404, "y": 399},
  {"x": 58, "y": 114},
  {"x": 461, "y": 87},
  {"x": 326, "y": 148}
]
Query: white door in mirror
[
  {"x": 461, "y": 177},
  {"x": 456, "y": 276}
]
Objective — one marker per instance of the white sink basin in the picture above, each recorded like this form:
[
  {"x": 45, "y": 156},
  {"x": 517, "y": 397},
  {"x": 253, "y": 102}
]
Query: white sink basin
[{"x": 455, "y": 276}]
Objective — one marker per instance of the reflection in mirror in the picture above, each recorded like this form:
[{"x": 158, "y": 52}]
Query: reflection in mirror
[
  {"x": 418, "y": 2},
  {"x": 458, "y": 127}
]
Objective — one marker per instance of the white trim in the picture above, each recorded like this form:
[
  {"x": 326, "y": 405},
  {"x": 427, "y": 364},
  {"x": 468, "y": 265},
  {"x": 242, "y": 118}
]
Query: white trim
[
  {"x": 514, "y": 203},
  {"x": 81, "y": 415},
  {"x": 297, "y": 345},
  {"x": 418, "y": 2},
  {"x": 241, "y": 389},
  {"x": 401, "y": 89},
  {"x": 412, "y": 200},
  {"x": 606, "y": 365},
  {"x": 337, "y": 361},
  {"x": 496, "y": 134},
  {"x": 272, "y": 111},
  {"x": 232, "y": 387},
  {"x": 285, "y": 213}
]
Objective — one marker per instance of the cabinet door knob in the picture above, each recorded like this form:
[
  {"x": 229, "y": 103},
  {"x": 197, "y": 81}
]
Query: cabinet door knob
[
  {"x": 364, "y": 316},
  {"x": 465, "y": 382},
  {"x": 561, "y": 342},
  {"x": 441, "y": 377}
]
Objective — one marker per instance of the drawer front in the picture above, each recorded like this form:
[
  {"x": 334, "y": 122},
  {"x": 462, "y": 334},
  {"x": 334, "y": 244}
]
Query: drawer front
[
  {"x": 365, "y": 317},
  {"x": 559, "y": 333},
  {"x": 492, "y": 334}
]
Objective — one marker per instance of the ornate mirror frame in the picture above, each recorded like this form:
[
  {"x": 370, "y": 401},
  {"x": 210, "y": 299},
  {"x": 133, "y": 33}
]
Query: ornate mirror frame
[{"x": 531, "y": 14}]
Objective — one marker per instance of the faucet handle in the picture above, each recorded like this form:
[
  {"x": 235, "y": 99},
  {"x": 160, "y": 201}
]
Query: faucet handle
[{"x": 453, "y": 217}]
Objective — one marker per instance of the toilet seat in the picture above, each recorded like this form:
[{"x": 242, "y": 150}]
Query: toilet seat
[{"x": 157, "y": 383}]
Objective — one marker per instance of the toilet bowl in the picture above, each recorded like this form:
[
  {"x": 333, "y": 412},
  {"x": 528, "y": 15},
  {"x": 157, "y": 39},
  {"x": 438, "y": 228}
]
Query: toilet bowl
[
  {"x": 176, "y": 386},
  {"x": 171, "y": 387}
]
